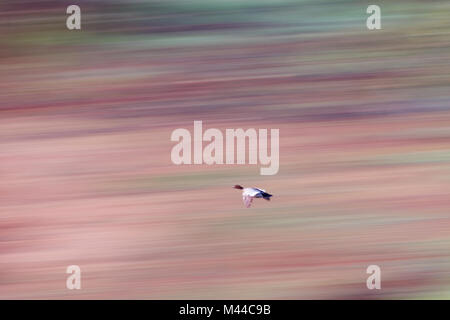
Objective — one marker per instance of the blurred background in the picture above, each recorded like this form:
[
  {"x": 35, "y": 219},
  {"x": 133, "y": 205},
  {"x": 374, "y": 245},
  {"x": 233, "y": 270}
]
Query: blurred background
[{"x": 85, "y": 171}]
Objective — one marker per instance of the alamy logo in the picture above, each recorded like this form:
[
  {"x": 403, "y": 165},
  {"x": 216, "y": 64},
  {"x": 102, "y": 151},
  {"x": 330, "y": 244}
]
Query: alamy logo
[
  {"x": 373, "y": 22},
  {"x": 373, "y": 281},
  {"x": 74, "y": 280},
  {"x": 73, "y": 22},
  {"x": 213, "y": 153}
]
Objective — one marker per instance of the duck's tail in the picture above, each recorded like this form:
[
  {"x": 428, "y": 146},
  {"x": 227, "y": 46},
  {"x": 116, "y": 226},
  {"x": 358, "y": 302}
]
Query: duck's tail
[{"x": 266, "y": 196}]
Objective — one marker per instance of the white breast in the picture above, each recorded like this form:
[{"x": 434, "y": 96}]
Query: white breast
[{"x": 250, "y": 192}]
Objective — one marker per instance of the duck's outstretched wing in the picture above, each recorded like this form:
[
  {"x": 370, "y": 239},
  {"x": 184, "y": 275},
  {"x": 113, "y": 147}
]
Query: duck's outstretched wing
[{"x": 247, "y": 201}]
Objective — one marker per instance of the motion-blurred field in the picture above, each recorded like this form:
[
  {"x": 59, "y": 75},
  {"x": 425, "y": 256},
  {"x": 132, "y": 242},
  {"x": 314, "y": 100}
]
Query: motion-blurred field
[{"x": 86, "y": 177}]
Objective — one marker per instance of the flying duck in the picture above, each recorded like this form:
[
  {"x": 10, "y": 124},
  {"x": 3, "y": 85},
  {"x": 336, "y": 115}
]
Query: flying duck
[{"x": 249, "y": 193}]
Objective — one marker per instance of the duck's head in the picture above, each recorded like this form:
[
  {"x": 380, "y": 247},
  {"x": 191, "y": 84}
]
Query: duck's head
[{"x": 238, "y": 186}]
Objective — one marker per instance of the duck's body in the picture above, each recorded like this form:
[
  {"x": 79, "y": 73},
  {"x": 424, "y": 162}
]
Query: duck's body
[{"x": 248, "y": 194}]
